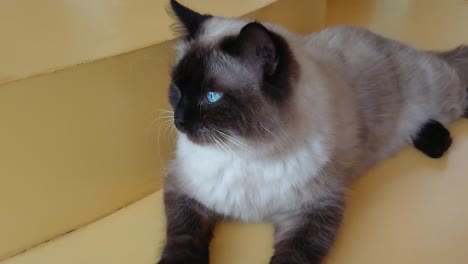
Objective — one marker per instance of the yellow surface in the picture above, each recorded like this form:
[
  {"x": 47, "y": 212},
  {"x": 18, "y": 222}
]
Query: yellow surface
[
  {"x": 80, "y": 143},
  {"x": 46, "y": 35},
  {"x": 409, "y": 209}
]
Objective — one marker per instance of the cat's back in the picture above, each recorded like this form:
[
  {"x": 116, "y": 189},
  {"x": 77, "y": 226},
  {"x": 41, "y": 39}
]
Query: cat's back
[
  {"x": 369, "y": 63},
  {"x": 367, "y": 60},
  {"x": 344, "y": 46}
]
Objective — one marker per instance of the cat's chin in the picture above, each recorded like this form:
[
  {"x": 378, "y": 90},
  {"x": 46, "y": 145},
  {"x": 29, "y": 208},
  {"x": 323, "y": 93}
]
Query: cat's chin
[{"x": 197, "y": 139}]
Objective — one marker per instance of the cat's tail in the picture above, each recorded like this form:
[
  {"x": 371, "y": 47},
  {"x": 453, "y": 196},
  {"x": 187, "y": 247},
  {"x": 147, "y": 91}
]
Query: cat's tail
[{"x": 458, "y": 58}]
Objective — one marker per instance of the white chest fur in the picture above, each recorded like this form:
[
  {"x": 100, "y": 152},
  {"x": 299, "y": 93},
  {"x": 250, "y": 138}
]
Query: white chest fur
[{"x": 246, "y": 188}]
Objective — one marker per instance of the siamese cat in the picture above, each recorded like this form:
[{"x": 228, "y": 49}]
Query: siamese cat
[{"x": 273, "y": 126}]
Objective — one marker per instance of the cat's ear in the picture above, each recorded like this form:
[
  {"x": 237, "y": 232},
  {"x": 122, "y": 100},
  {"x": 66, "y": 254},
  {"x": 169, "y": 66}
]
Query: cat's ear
[
  {"x": 257, "y": 46},
  {"x": 190, "y": 21}
]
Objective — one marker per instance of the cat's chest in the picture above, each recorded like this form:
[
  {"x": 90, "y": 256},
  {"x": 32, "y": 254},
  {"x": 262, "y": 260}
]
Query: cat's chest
[{"x": 247, "y": 189}]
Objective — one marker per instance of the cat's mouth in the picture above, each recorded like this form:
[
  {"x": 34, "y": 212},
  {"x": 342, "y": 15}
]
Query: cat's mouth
[
  {"x": 200, "y": 136},
  {"x": 209, "y": 136}
]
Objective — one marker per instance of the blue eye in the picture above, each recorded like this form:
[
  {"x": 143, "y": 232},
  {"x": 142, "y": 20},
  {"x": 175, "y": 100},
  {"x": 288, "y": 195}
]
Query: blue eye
[{"x": 212, "y": 97}]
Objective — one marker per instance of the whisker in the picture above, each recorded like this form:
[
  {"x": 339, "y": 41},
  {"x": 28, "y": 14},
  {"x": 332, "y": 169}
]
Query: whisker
[
  {"x": 164, "y": 110},
  {"x": 228, "y": 148},
  {"x": 161, "y": 119},
  {"x": 162, "y": 129},
  {"x": 200, "y": 110},
  {"x": 267, "y": 130},
  {"x": 162, "y": 114},
  {"x": 218, "y": 143},
  {"x": 168, "y": 127},
  {"x": 234, "y": 141}
]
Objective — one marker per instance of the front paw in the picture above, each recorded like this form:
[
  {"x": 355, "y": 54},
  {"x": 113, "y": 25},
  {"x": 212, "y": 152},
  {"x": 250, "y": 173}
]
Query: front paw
[
  {"x": 179, "y": 260},
  {"x": 184, "y": 256},
  {"x": 295, "y": 258},
  {"x": 279, "y": 260},
  {"x": 284, "y": 259}
]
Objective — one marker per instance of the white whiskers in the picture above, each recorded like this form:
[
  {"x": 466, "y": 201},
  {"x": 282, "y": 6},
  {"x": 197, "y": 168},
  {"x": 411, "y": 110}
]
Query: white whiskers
[
  {"x": 267, "y": 130},
  {"x": 234, "y": 141},
  {"x": 220, "y": 143},
  {"x": 165, "y": 127}
]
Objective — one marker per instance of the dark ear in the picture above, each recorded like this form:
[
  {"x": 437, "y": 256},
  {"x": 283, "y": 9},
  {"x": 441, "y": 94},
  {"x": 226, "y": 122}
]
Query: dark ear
[
  {"x": 257, "y": 46},
  {"x": 189, "y": 19}
]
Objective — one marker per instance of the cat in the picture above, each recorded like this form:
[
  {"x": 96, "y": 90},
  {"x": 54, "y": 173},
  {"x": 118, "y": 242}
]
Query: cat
[{"x": 273, "y": 126}]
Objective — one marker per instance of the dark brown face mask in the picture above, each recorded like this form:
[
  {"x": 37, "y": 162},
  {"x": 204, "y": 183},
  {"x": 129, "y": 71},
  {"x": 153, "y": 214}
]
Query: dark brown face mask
[{"x": 210, "y": 97}]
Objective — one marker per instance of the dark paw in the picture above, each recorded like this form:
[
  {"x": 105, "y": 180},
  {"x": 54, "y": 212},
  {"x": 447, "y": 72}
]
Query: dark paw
[
  {"x": 433, "y": 139},
  {"x": 184, "y": 256},
  {"x": 179, "y": 260},
  {"x": 184, "y": 250},
  {"x": 295, "y": 258},
  {"x": 280, "y": 260}
]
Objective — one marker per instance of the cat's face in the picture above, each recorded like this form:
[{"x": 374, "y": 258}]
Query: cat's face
[{"x": 233, "y": 87}]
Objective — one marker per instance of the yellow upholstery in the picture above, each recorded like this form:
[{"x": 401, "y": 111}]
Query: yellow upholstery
[{"x": 410, "y": 209}]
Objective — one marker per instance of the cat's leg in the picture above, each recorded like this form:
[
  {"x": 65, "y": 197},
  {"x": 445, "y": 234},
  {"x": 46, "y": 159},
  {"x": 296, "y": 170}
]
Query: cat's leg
[
  {"x": 465, "y": 114},
  {"x": 189, "y": 231},
  {"x": 433, "y": 139},
  {"x": 305, "y": 237}
]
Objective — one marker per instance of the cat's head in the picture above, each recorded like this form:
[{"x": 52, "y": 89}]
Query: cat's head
[{"x": 232, "y": 79}]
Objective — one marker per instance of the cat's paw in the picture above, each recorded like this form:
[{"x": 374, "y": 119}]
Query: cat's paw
[
  {"x": 292, "y": 259},
  {"x": 181, "y": 258},
  {"x": 279, "y": 260},
  {"x": 433, "y": 139},
  {"x": 166, "y": 261},
  {"x": 182, "y": 261}
]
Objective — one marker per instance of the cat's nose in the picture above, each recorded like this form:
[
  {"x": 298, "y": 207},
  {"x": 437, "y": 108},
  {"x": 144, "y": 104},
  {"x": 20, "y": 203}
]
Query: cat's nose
[
  {"x": 179, "y": 123},
  {"x": 180, "y": 120}
]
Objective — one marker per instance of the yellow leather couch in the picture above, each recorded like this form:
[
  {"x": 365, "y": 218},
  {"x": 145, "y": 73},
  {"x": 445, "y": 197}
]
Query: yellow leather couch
[{"x": 83, "y": 149}]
